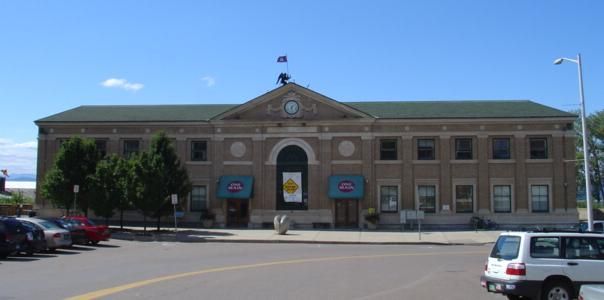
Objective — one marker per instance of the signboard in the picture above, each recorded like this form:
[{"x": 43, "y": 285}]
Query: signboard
[
  {"x": 346, "y": 186},
  {"x": 76, "y": 188},
  {"x": 292, "y": 187},
  {"x": 234, "y": 186},
  {"x": 174, "y": 199}
]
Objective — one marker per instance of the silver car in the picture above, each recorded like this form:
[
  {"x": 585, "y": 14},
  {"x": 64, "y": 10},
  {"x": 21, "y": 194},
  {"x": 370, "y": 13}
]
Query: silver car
[{"x": 56, "y": 237}]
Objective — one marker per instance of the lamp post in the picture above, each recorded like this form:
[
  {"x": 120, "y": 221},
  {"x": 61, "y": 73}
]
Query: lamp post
[{"x": 585, "y": 144}]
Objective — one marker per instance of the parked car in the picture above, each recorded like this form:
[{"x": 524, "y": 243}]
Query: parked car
[
  {"x": 544, "y": 265},
  {"x": 591, "y": 292},
  {"x": 18, "y": 234},
  {"x": 95, "y": 233},
  {"x": 7, "y": 244},
  {"x": 598, "y": 226},
  {"x": 56, "y": 237},
  {"x": 78, "y": 234},
  {"x": 36, "y": 240}
]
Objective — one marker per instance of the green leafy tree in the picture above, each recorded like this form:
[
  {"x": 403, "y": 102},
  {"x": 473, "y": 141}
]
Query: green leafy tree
[
  {"x": 595, "y": 127},
  {"x": 109, "y": 184},
  {"x": 75, "y": 164},
  {"x": 158, "y": 174}
]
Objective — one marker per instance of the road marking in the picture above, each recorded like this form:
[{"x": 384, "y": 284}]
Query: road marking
[{"x": 120, "y": 288}]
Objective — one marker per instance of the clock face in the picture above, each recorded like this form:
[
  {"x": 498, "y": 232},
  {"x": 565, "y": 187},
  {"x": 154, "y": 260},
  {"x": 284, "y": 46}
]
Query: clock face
[{"x": 291, "y": 107}]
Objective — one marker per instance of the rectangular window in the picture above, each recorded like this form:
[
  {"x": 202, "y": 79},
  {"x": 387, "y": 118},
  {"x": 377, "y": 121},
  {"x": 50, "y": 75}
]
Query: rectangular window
[
  {"x": 502, "y": 198},
  {"x": 464, "y": 198},
  {"x": 540, "y": 198},
  {"x": 583, "y": 248},
  {"x": 427, "y": 198},
  {"x": 501, "y": 148},
  {"x": 199, "y": 198},
  {"x": 463, "y": 148},
  {"x": 506, "y": 247},
  {"x": 545, "y": 247},
  {"x": 199, "y": 151},
  {"x": 538, "y": 148},
  {"x": 388, "y": 150},
  {"x": 389, "y": 198},
  {"x": 425, "y": 149},
  {"x": 101, "y": 147},
  {"x": 131, "y": 147}
]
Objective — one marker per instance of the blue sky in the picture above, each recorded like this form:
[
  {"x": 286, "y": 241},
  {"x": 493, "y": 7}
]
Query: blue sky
[{"x": 55, "y": 55}]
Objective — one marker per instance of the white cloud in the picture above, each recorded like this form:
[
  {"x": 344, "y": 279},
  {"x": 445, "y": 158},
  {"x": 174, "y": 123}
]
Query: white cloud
[
  {"x": 210, "y": 81},
  {"x": 122, "y": 84},
  {"x": 18, "y": 158}
]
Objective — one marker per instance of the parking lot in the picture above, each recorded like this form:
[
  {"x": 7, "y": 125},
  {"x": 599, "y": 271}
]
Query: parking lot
[{"x": 153, "y": 270}]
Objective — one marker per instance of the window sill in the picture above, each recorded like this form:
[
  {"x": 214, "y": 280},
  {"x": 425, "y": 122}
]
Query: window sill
[
  {"x": 387, "y": 162},
  {"x": 463, "y": 161},
  {"x": 534, "y": 160},
  {"x": 426, "y": 162},
  {"x": 502, "y": 161},
  {"x": 191, "y": 162}
]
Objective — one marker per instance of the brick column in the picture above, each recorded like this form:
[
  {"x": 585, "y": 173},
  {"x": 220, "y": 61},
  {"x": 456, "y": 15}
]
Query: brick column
[
  {"x": 483, "y": 190},
  {"x": 408, "y": 188},
  {"x": 445, "y": 174},
  {"x": 368, "y": 157},
  {"x": 558, "y": 180},
  {"x": 521, "y": 188},
  {"x": 257, "y": 170}
]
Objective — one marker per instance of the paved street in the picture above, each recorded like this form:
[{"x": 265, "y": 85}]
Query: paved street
[{"x": 161, "y": 270}]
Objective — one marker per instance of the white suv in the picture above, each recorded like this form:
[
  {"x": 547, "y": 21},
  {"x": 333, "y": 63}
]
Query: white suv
[{"x": 544, "y": 265}]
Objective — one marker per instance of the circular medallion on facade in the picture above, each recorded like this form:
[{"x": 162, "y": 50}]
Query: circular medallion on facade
[
  {"x": 238, "y": 149},
  {"x": 346, "y": 186},
  {"x": 346, "y": 148},
  {"x": 235, "y": 186}
]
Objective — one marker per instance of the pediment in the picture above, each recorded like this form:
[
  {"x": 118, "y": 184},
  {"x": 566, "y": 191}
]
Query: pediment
[{"x": 292, "y": 102}]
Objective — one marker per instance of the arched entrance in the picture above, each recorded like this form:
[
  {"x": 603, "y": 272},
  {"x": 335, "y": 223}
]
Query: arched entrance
[{"x": 292, "y": 193}]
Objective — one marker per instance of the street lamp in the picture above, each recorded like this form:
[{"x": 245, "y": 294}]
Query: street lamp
[{"x": 585, "y": 144}]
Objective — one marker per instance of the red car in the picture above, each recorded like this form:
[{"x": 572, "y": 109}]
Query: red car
[{"x": 94, "y": 233}]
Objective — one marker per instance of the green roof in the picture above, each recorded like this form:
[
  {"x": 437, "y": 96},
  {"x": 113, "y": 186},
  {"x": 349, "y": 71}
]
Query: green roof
[
  {"x": 380, "y": 110},
  {"x": 457, "y": 109},
  {"x": 140, "y": 113}
]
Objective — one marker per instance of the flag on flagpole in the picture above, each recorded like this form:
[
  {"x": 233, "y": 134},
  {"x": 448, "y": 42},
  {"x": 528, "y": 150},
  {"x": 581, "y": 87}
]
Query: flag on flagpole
[
  {"x": 5, "y": 172},
  {"x": 282, "y": 59}
]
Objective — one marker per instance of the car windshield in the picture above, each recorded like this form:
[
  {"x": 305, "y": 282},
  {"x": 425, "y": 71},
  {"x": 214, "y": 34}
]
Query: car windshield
[{"x": 506, "y": 247}]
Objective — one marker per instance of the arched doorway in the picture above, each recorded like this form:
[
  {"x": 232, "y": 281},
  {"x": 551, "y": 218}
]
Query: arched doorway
[{"x": 292, "y": 164}]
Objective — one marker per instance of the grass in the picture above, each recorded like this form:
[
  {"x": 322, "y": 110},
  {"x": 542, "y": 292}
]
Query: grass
[{"x": 594, "y": 204}]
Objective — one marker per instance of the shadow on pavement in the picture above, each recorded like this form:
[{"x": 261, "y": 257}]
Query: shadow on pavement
[
  {"x": 101, "y": 245},
  {"x": 80, "y": 248},
  {"x": 204, "y": 232},
  {"x": 18, "y": 258}
]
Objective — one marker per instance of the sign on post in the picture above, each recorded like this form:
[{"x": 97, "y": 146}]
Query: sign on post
[
  {"x": 76, "y": 188},
  {"x": 174, "y": 202},
  {"x": 174, "y": 199}
]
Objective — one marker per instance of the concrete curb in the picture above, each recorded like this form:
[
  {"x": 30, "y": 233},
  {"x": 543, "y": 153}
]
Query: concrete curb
[{"x": 154, "y": 237}]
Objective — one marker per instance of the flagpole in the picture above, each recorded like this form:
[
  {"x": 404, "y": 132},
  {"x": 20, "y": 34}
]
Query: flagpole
[{"x": 286, "y": 64}]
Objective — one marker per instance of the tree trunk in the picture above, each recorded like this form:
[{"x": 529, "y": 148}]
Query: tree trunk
[{"x": 158, "y": 222}]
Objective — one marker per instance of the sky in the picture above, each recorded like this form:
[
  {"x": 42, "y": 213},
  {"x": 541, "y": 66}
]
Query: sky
[{"x": 57, "y": 55}]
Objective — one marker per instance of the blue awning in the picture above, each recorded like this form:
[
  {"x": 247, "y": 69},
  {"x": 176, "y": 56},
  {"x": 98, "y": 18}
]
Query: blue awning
[
  {"x": 346, "y": 186},
  {"x": 238, "y": 187}
]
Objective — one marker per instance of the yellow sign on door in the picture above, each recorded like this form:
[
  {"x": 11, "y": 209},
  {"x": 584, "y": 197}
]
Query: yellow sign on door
[{"x": 290, "y": 186}]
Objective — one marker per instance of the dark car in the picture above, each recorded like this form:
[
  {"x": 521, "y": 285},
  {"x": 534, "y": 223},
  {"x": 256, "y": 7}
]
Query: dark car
[
  {"x": 36, "y": 240},
  {"x": 18, "y": 234},
  {"x": 78, "y": 234},
  {"x": 7, "y": 245}
]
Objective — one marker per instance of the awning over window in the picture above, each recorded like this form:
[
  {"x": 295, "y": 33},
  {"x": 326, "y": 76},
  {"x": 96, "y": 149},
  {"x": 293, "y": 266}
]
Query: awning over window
[
  {"x": 239, "y": 187},
  {"x": 346, "y": 186}
]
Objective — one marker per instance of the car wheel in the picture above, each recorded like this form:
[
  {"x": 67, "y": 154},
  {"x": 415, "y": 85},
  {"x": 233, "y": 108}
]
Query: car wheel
[
  {"x": 94, "y": 242},
  {"x": 557, "y": 290}
]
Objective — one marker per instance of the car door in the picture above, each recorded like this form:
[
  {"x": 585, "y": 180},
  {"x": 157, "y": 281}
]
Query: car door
[{"x": 584, "y": 259}]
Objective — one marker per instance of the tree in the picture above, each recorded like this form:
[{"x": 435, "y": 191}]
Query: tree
[
  {"x": 109, "y": 185},
  {"x": 158, "y": 174},
  {"x": 595, "y": 127},
  {"x": 75, "y": 164}
]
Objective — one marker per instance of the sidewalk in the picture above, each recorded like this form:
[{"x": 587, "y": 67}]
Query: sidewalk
[{"x": 308, "y": 236}]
